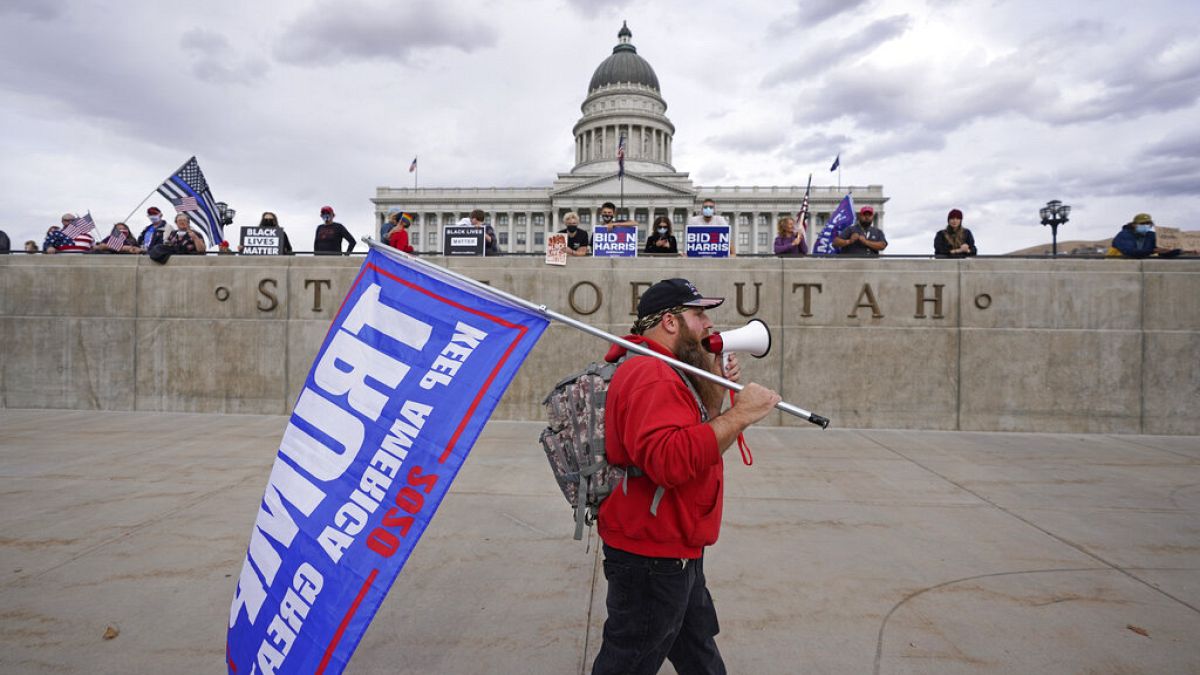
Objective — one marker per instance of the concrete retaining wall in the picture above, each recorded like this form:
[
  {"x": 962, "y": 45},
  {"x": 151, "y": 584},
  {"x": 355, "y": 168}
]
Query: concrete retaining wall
[{"x": 987, "y": 344}]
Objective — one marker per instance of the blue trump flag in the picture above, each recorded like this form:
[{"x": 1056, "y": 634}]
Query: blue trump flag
[
  {"x": 842, "y": 217},
  {"x": 408, "y": 374}
]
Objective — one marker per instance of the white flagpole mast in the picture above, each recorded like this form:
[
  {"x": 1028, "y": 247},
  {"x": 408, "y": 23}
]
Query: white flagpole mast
[{"x": 820, "y": 421}]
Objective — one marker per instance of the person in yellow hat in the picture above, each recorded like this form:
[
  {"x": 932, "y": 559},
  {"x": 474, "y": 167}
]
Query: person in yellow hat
[{"x": 1137, "y": 240}]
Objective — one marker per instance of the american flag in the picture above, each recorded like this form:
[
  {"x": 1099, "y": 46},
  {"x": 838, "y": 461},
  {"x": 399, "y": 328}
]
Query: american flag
[
  {"x": 413, "y": 167},
  {"x": 80, "y": 225},
  {"x": 804, "y": 205},
  {"x": 189, "y": 181},
  {"x": 116, "y": 240},
  {"x": 185, "y": 204},
  {"x": 621, "y": 158}
]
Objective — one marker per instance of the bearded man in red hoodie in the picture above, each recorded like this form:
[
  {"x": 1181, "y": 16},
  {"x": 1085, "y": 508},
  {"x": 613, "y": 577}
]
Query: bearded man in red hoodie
[{"x": 667, "y": 427}]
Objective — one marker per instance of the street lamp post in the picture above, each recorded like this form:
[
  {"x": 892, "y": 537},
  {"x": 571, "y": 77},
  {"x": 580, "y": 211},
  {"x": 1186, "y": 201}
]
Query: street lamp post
[
  {"x": 225, "y": 213},
  {"x": 1054, "y": 213}
]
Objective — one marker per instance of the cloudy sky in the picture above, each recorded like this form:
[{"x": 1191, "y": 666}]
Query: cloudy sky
[{"x": 993, "y": 106}]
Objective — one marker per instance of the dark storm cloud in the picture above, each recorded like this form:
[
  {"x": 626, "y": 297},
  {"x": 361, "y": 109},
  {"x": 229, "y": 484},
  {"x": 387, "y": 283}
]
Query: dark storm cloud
[
  {"x": 822, "y": 55},
  {"x": 334, "y": 32}
]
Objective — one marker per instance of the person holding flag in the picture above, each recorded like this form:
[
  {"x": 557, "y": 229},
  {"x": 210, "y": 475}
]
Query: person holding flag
[
  {"x": 790, "y": 238},
  {"x": 120, "y": 240},
  {"x": 184, "y": 240},
  {"x": 77, "y": 233},
  {"x": 790, "y": 233}
]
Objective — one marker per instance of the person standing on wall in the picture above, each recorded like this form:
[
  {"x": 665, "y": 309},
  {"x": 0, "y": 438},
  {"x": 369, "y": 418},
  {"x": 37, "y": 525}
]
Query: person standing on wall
[{"x": 330, "y": 235}]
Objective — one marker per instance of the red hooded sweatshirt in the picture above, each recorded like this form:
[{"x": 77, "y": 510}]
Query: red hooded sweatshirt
[{"x": 653, "y": 422}]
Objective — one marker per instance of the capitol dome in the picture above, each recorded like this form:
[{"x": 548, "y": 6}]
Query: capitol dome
[
  {"x": 624, "y": 66},
  {"x": 623, "y": 102}
]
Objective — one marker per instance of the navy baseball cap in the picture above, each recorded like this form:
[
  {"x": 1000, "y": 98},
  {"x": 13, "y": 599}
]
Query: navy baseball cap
[{"x": 670, "y": 293}]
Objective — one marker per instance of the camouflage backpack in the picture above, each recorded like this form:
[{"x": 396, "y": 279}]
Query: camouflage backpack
[{"x": 574, "y": 443}]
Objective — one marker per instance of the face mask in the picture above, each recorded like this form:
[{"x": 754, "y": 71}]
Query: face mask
[
  {"x": 707, "y": 211},
  {"x": 1142, "y": 229},
  {"x": 571, "y": 227},
  {"x": 155, "y": 219},
  {"x": 606, "y": 218},
  {"x": 662, "y": 230},
  {"x": 328, "y": 217}
]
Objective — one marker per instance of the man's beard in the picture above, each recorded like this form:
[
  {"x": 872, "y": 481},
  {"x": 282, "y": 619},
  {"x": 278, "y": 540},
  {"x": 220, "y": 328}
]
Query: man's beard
[{"x": 688, "y": 350}]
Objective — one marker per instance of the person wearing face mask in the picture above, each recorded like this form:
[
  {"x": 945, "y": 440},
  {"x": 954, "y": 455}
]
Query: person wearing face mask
[
  {"x": 183, "y": 240},
  {"x": 154, "y": 232},
  {"x": 579, "y": 243},
  {"x": 329, "y": 237},
  {"x": 270, "y": 220},
  {"x": 1138, "y": 240},
  {"x": 955, "y": 241},
  {"x": 708, "y": 216},
  {"x": 661, "y": 240}
]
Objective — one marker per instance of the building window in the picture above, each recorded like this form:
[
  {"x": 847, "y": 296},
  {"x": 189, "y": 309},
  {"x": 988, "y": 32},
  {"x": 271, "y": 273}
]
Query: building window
[
  {"x": 520, "y": 220},
  {"x": 416, "y": 239},
  {"x": 502, "y": 219},
  {"x": 641, "y": 216},
  {"x": 539, "y": 238},
  {"x": 504, "y": 238},
  {"x": 744, "y": 220},
  {"x": 539, "y": 219},
  {"x": 585, "y": 217},
  {"x": 521, "y": 238},
  {"x": 762, "y": 240},
  {"x": 743, "y": 238},
  {"x": 622, "y": 214},
  {"x": 764, "y": 219}
]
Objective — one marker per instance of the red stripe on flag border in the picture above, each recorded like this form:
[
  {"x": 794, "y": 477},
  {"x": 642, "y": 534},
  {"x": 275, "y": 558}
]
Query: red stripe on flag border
[
  {"x": 522, "y": 330},
  {"x": 337, "y": 637}
]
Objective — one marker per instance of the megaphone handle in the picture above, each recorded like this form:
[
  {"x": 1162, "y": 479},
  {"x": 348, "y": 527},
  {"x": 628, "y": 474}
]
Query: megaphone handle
[{"x": 743, "y": 447}]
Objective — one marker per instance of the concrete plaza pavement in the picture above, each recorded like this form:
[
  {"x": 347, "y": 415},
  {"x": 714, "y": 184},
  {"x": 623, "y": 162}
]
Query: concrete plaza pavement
[{"x": 842, "y": 551}]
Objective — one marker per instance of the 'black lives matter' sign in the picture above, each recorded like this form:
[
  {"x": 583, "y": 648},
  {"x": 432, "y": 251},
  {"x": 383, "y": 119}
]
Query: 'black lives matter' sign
[
  {"x": 462, "y": 241},
  {"x": 261, "y": 241}
]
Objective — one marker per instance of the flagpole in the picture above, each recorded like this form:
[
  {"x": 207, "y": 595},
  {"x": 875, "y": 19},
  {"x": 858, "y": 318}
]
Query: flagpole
[
  {"x": 820, "y": 421},
  {"x": 152, "y": 193},
  {"x": 416, "y": 171}
]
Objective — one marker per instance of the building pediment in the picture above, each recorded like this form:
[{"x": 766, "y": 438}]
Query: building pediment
[{"x": 607, "y": 186}]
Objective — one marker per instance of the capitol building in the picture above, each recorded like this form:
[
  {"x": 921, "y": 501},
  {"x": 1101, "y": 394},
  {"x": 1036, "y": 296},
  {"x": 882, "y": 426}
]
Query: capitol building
[{"x": 623, "y": 100}]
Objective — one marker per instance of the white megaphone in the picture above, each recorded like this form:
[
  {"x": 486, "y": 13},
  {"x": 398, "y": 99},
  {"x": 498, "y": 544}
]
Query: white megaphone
[{"x": 754, "y": 339}]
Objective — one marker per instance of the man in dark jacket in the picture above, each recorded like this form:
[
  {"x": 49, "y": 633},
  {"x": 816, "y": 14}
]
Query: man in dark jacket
[
  {"x": 1137, "y": 240},
  {"x": 655, "y": 527},
  {"x": 329, "y": 237}
]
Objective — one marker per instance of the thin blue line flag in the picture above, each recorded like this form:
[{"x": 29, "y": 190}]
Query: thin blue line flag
[
  {"x": 189, "y": 181},
  {"x": 408, "y": 374}
]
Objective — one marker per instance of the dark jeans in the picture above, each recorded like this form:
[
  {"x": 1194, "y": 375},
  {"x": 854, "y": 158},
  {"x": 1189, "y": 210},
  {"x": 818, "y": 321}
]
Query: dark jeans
[{"x": 658, "y": 608}]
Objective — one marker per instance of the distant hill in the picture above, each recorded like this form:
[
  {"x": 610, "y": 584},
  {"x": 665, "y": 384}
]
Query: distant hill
[{"x": 1168, "y": 237}]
